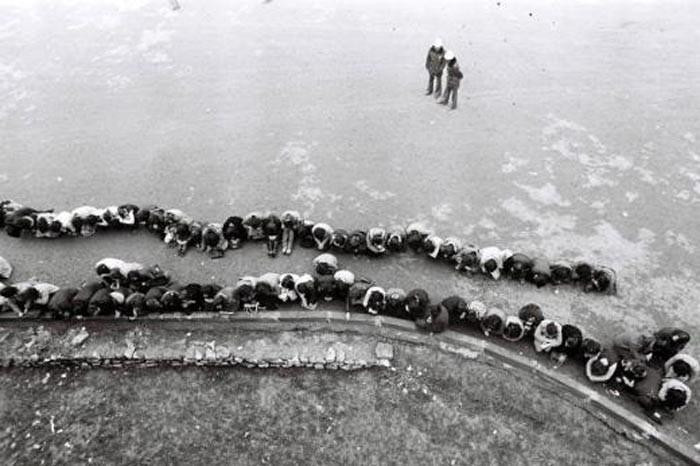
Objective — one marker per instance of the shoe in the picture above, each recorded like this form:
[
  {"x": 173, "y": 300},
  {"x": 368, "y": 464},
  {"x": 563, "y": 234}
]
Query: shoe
[
  {"x": 443, "y": 102},
  {"x": 428, "y": 92}
]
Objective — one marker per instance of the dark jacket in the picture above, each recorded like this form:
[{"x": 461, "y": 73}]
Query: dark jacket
[
  {"x": 454, "y": 76},
  {"x": 435, "y": 61}
]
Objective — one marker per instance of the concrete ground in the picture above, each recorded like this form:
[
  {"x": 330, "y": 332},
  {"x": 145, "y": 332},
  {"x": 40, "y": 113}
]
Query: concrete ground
[{"x": 576, "y": 135}]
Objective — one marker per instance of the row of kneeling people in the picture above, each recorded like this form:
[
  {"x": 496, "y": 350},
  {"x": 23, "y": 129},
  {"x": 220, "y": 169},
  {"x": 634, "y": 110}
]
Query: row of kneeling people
[
  {"x": 180, "y": 231},
  {"x": 650, "y": 368}
]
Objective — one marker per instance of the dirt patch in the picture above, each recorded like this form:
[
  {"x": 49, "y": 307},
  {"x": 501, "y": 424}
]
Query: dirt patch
[{"x": 434, "y": 408}]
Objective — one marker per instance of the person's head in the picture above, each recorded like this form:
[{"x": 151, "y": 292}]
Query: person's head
[
  {"x": 492, "y": 322},
  {"x": 210, "y": 238},
  {"x": 356, "y": 239},
  {"x": 253, "y": 220},
  {"x": 437, "y": 43},
  {"x": 450, "y": 57},
  {"x": 600, "y": 366},
  {"x": 572, "y": 337},
  {"x": 583, "y": 272},
  {"x": 603, "y": 280},
  {"x": 491, "y": 266},
  {"x": 531, "y": 315},
  {"x": 551, "y": 330},
  {"x": 514, "y": 329},
  {"x": 102, "y": 269},
  {"x": 182, "y": 232},
  {"x": 590, "y": 348},
  {"x": 287, "y": 282},
  {"x": 339, "y": 239},
  {"x": 320, "y": 233},
  {"x": 676, "y": 399},
  {"x": 682, "y": 367},
  {"x": 634, "y": 368}
]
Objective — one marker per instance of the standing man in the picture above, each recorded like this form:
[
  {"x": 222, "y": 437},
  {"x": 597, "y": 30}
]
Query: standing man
[
  {"x": 454, "y": 76},
  {"x": 435, "y": 63}
]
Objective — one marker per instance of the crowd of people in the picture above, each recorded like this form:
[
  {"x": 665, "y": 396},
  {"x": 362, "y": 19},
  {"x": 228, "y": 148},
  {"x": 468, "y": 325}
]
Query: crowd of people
[
  {"x": 282, "y": 232},
  {"x": 650, "y": 368}
]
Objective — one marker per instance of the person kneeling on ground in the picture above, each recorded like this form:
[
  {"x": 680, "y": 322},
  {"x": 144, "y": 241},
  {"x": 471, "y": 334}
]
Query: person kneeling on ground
[
  {"x": 601, "y": 368},
  {"x": 376, "y": 238},
  {"x": 374, "y": 300},
  {"x": 325, "y": 264},
  {"x": 322, "y": 233},
  {"x": 213, "y": 241},
  {"x": 531, "y": 315},
  {"x": 492, "y": 259},
  {"x": 436, "y": 319},
  {"x": 658, "y": 395},
  {"x": 547, "y": 336},
  {"x": 493, "y": 322},
  {"x": 514, "y": 330},
  {"x": 682, "y": 367}
]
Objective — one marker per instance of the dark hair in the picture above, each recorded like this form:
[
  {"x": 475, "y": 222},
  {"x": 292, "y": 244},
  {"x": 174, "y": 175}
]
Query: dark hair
[
  {"x": 682, "y": 368},
  {"x": 638, "y": 370},
  {"x": 211, "y": 238},
  {"x": 603, "y": 280},
  {"x": 8, "y": 291},
  {"x": 551, "y": 329},
  {"x": 676, "y": 398},
  {"x": 490, "y": 265},
  {"x": 513, "y": 330},
  {"x": 531, "y": 312},
  {"x": 493, "y": 322},
  {"x": 583, "y": 271},
  {"x": 287, "y": 282},
  {"x": 598, "y": 367},
  {"x": 590, "y": 346}
]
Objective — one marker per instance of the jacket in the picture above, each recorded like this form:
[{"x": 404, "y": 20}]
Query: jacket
[
  {"x": 454, "y": 76},
  {"x": 435, "y": 61}
]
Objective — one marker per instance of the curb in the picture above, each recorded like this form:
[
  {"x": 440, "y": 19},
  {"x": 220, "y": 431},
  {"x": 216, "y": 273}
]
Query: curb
[{"x": 449, "y": 341}]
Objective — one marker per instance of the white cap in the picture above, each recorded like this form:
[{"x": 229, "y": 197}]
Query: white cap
[
  {"x": 449, "y": 55},
  {"x": 438, "y": 43}
]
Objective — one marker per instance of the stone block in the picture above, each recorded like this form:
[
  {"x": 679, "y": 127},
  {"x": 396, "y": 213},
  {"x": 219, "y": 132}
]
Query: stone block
[{"x": 384, "y": 351}]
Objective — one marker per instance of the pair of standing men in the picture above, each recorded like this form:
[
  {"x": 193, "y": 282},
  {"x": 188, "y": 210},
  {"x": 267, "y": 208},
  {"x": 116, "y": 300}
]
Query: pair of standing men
[{"x": 437, "y": 60}]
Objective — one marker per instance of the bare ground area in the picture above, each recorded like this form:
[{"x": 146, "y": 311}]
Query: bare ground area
[{"x": 434, "y": 408}]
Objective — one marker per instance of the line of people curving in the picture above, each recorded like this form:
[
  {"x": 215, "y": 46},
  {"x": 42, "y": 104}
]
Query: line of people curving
[
  {"x": 649, "y": 368},
  {"x": 281, "y": 233}
]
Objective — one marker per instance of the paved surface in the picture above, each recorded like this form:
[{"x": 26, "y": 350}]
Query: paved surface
[{"x": 576, "y": 136}]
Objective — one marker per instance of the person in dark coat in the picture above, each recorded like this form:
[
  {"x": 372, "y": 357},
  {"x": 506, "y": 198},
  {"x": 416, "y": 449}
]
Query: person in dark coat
[
  {"x": 658, "y": 396},
  {"x": 435, "y": 64},
  {"x": 454, "y": 76}
]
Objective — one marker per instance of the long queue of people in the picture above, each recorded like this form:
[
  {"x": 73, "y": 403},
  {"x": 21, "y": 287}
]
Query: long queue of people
[
  {"x": 182, "y": 232},
  {"x": 650, "y": 368}
]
